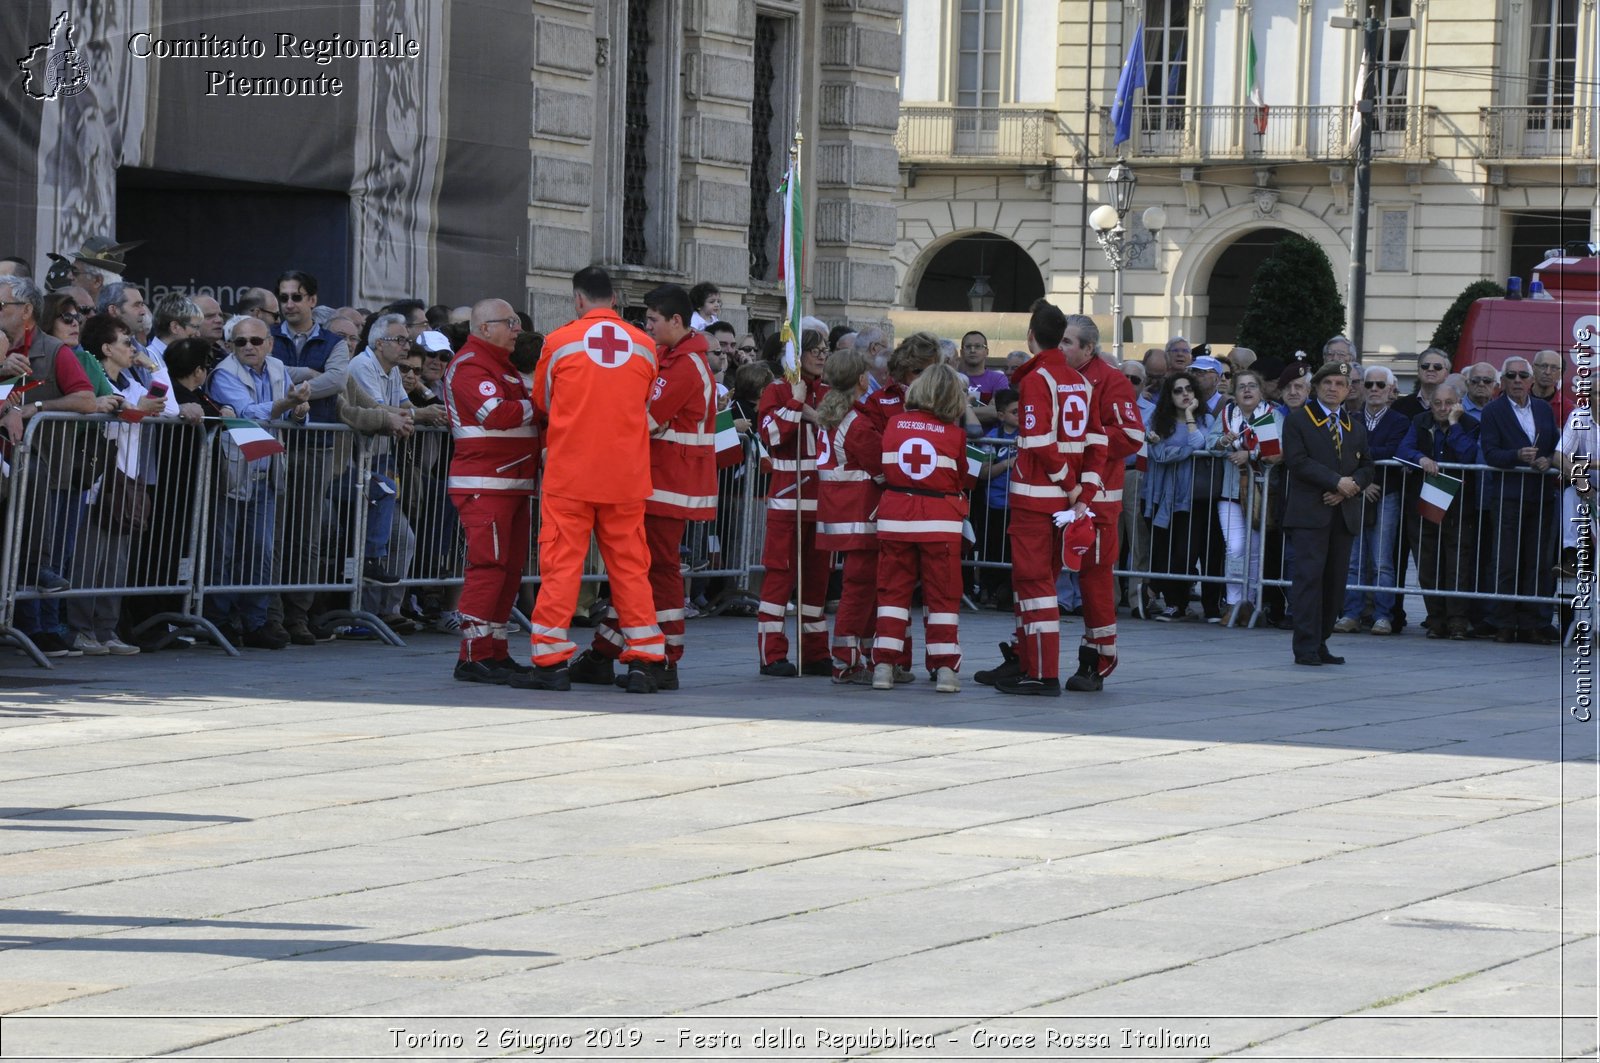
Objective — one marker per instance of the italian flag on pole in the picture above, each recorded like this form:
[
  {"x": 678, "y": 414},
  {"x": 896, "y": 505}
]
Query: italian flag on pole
[
  {"x": 1438, "y": 491},
  {"x": 1266, "y": 430},
  {"x": 252, "y": 440},
  {"x": 977, "y": 457},
  {"x": 791, "y": 264},
  {"x": 1253, "y": 87},
  {"x": 729, "y": 452}
]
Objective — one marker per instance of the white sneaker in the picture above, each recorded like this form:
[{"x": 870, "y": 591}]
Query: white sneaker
[
  {"x": 121, "y": 649},
  {"x": 89, "y": 646},
  {"x": 948, "y": 681},
  {"x": 883, "y": 677}
]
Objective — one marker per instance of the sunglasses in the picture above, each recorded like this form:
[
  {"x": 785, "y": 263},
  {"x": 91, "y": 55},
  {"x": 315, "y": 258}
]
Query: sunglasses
[
  {"x": 292, "y": 297},
  {"x": 749, "y": 350},
  {"x": 1435, "y": 368},
  {"x": 1481, "y": 380},
  {"x": 1373, "y": 384},
  {"x": 250, "y": 341},
  {"x": 69, "y": 317},
  {"x": 1227, "y": 376},
  {"x": 1184, "y": 390},
  {"x": 270, "y": 313},
  {"x": 1135, "y": 381},
  {"x": 1516, "y": 375},
  {"x": 411, "y": 369}
]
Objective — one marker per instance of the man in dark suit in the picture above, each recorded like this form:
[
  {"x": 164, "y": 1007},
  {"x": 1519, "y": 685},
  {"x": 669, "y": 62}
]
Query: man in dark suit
[
  {"x": 1325, "y": 453},
  {"x": 1519, "y": 432}
]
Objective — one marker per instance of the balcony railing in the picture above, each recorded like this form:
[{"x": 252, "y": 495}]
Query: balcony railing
[
  {"x": 1286, "y": 133},
  {"x": 943, "y": 134},
  {"x": 1547, "y": 132}
]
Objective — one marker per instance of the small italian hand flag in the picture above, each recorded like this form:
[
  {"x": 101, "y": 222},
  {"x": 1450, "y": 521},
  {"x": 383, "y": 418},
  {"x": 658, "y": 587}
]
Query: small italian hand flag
[
  {"x": 729, "y": 452},
  {"x": 1267, "y": 436},
  {"x": 1438, "y": 491},
  {"x": 252, "y": 440},
  {"x": 977, "y": 457}
]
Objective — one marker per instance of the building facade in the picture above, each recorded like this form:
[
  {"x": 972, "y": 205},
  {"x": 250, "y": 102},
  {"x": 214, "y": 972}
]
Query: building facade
[
  {"x": 1483, "y": 152},
  {"x": 505, "y": 144}
]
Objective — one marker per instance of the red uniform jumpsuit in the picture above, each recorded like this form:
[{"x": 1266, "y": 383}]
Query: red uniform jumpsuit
[
  {"x": 791, "y": 525},
  {"x": 919, "y": 537},
  {"x": 594, "y": 381},
  {"x": 493, "y": 472},
  {"x": 683, "y": 477},
  {"x": 1058, "y": 438},
  {"x": 1117, "y": 408},
  {"x": 851, "y": 469}
]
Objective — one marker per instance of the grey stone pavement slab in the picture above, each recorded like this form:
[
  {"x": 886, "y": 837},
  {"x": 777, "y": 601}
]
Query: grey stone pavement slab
[{"x": 296, "y": 854}]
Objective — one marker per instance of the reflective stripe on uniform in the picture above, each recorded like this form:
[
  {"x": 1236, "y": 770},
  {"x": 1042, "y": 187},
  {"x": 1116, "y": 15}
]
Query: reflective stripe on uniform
[
  {"x": 688, "y": 439},
  {"x": 1029, "y": 604},
  {"x": 672, "y": 498},
  {"x": 842, "y": 476},
  {"x": 1037, "y": 490},
  {"x": 940, "y": 649},
  {"x": 865, "y": 527},
  {"x": 884, "y": 642},
  {"x": 943, "y": 618},
  {"x": 894, "y": 611},
  {"x": 914, "y": 526},
  {"x": 526, "y": 431},
  {"x": 488, "y": 483},
  {"x": 1041, "y": 627},
  {"x": 787, "y": 505}
]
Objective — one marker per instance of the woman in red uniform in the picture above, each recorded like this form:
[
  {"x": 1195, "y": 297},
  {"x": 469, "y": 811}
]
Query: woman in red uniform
[
  {"x": 919, "y": 527},
  {"x": 849, "y": 462}
]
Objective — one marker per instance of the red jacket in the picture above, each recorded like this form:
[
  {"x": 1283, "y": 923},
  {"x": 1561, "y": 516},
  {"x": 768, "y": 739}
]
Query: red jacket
[
  {"x": 492, "y": 422},
  {"x": 791, "y": 451},
  {"x": 1117, "y": 408},
  {"x": 683, "y": 433},
  {"x": 924, "y": 474},
  {"x": 594, "y": 381},
  {"x": 1059, "y": 437},
  {"x": 884, "y": 404},
  {"x": 851, "y": 467}
]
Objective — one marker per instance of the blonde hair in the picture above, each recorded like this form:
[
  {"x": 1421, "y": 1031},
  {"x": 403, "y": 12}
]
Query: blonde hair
[
  {"x": 916, "y": 353},
  {"x": 940, "y": 391},
  {"x": 841, "y": 372}
]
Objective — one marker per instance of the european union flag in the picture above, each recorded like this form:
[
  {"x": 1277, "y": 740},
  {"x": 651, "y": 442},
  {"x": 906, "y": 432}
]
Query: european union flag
[{"x": 1132, "y": 78}]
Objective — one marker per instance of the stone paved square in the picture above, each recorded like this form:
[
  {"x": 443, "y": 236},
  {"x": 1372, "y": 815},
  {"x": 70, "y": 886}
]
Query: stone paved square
[{"x": 296, "y": 854}]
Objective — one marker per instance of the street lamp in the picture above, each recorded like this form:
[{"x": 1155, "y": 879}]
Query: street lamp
[
  {"x": 1107, "y": 224},
  {"x": 1371, "y": 27}
]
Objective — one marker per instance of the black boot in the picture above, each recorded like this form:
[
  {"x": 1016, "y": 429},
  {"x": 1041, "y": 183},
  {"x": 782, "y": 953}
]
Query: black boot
[
  {"x": 590, "y": 667},
  {"x": 1009, "y": 669},
  {"x": 1087, "y": 678}
]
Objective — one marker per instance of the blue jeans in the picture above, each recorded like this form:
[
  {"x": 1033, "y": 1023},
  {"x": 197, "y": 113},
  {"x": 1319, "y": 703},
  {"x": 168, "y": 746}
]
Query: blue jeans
[
  {"x": 63, "y": 515},
  {"x": 1372, "y": 561},
  {"x": 242, "y": 553},
  {"x": 381, "y": 497}
]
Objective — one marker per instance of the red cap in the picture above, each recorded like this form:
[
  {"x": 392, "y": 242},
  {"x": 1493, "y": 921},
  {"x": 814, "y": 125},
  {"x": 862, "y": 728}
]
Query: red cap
[{"x": 1076, "y": 539}]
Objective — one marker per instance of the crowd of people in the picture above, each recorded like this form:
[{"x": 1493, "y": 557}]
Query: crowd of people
[{"x": 888, "y": 473}]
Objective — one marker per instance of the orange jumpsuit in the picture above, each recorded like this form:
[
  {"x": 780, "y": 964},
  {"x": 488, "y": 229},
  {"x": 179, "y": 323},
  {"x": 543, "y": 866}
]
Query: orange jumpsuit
[
  {"x": 593, "y": 382},
  {"x": 683, "y": 474}
]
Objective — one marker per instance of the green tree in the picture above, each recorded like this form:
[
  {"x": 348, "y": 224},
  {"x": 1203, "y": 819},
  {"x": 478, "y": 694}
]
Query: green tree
[
  {"x": 1448, "y": 334},
  {"x": 1294, "y": 304}
]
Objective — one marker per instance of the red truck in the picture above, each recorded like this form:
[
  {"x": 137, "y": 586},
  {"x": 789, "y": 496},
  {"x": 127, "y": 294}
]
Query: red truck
[{"x": 1568, "y": 321}]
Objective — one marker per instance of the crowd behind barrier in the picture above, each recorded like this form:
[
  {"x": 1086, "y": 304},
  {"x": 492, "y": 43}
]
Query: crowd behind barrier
[{"x": 165, "y": 530}]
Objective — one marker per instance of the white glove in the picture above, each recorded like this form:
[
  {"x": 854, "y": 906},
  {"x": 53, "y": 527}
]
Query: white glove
[{"x": 1063, "y": 517}]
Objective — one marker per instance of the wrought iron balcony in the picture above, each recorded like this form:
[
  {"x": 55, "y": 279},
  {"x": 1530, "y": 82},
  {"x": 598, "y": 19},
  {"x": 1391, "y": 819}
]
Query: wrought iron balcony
[
  {"x": 1551, "y": 131},
  {"x": 1231, "y": 132},
  {"x": 975, "y": 134}
]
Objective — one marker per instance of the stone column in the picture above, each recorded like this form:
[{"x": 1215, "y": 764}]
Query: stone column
[{"x": 854, "y": 168}]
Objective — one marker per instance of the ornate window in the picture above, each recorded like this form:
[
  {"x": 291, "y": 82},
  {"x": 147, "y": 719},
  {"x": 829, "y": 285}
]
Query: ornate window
[
  {"x": 1552, "y": 59},
  {"x": 1166, "y": 51},
  {"x": 636, "y": 135}
]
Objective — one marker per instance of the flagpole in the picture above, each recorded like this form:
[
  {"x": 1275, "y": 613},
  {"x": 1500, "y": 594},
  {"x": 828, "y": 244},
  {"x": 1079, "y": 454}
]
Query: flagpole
[{"x": 792, "y": 294}]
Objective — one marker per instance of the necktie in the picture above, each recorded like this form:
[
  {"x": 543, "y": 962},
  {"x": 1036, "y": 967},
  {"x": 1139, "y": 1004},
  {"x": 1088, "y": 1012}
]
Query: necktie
[{"x": 1333, "y": 430}]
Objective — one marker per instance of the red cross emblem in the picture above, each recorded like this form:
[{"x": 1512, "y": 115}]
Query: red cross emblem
[
  {"x": 607, "y": 345},
  {"x": 917, "y": 459}
]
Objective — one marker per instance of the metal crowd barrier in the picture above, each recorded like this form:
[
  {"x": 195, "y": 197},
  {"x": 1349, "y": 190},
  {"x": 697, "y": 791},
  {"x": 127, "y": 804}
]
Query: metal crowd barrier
[
  {"x": 115, "y": 511},
  {"x": 1459, "y": 561}
]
